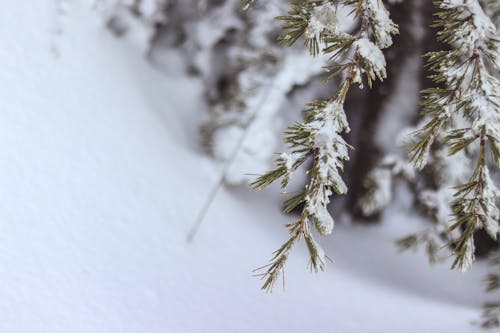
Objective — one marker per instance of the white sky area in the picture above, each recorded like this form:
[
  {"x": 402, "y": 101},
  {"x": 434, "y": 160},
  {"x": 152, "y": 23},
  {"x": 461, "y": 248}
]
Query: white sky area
[{"x": 102, "y": 178}]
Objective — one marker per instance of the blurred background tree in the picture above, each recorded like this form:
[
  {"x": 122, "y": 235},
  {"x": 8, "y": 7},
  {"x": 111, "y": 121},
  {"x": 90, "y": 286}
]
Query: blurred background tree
[{"x": 254, "y": 87}]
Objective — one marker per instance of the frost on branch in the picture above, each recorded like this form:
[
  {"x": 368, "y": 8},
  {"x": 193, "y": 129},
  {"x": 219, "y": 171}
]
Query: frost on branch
[{"x": 318, "y": 139}]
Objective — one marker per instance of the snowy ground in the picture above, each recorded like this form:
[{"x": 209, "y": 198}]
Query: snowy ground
[{"x": 101, "y": 179}]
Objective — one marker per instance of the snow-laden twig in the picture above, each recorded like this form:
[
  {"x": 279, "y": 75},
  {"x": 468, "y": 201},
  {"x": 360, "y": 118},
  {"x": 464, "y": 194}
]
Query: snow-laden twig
[{"x": 319, "y": 136}]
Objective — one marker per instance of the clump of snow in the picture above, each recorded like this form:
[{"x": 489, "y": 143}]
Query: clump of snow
[
  {"x": 289, "y": 160},
  {"x": 332, "y": 151},
  {"x": 373, "y": 56},
  {"x": 323, "y": 19},
  {"x": 383, "y": 26},
  {"x": 332, "y": 148},
  {"x": 322, "y": 219},
  {"x": 472, "y": 34}
]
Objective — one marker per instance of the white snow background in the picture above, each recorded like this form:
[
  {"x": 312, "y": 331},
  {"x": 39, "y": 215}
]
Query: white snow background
[{"x": 102, "y": 178}]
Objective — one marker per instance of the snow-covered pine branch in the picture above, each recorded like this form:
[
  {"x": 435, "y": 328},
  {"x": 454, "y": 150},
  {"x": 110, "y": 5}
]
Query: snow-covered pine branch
[
  {"x": 465, "y": 109},
  {"x": 319, "y": 137}
]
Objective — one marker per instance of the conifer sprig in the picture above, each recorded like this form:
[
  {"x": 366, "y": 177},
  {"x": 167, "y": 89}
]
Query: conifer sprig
[
  {"x": 318, "y": 138},
  {"x": 297, "y": 230},
  {"x": 464, "y": 110}
]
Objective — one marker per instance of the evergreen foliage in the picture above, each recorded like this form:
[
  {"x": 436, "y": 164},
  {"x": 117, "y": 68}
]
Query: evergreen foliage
[
  {"x": 464, "y": 108},
  {"x": 355, "y": 57},
  {"x": 456, "y": 141}
]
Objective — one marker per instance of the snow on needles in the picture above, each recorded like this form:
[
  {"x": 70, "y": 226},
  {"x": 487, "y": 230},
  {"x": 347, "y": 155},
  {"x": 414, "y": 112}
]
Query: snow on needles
[
  {"x": 466, "y": 116},
  {"x": 323, "y": 18},
  {"x": 332, "y": 150},
  {"x": 383, "y": 26},
  {"x": 373, "y": 56}
]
